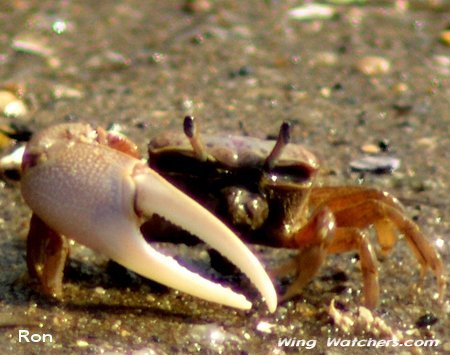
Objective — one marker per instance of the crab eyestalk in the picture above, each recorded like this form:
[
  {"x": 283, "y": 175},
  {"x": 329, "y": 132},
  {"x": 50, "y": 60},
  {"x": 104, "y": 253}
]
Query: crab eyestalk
[
  {"x": 284, "y": 136},
  {"x": 191, "y": 132}
]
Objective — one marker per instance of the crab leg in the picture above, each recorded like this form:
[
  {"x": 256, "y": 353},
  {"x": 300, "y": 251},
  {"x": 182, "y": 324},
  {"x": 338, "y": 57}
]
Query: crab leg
[
  {"x": 97, "y": 196},
  {"x": 356, "y": 207}
]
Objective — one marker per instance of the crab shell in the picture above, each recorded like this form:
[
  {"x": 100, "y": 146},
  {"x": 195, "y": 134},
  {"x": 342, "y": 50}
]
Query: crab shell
[
  {"x": 240, "y": 179},
  {"x": 295, "y": 166}
]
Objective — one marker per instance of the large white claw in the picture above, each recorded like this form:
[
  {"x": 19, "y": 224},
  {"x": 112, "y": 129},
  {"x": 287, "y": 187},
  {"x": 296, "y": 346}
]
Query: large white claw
[{"x": 97, "y": 195}]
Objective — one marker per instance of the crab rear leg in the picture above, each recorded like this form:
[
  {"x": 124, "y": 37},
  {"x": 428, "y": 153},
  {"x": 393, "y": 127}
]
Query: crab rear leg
[
  {"x": 349, "y": 239},
  {"x": 47, "y": 252},
  {"x": 361, "y": 208}
]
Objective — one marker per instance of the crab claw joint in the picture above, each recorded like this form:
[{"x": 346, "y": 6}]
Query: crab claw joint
[{"x": 97, "y": 195}]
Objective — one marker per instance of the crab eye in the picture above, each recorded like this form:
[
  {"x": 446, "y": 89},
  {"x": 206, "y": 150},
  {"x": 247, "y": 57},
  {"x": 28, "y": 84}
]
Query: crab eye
[
  {"x": 289, "y": 175},
  {"x": 175, "y": 163}
]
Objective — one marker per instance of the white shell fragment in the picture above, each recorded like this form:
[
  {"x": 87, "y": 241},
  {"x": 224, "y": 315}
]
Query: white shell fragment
[
  {"x": 37, "y": 46},
  {"x": 265, "y": 327},
  {"x": 61, "y": 92},
  {"x": 11, "y": 105},
  {"x": 309, "y": 12},
  {"x": 373, "y": 65},
  {"x": 376, "y": 164},
  {"x": 12, "y": 161},
  {"x": 31, "y": 45}
]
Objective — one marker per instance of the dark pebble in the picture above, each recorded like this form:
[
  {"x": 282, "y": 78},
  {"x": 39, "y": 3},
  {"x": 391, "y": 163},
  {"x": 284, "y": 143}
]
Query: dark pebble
[
  {"x": 242, "y": 71},
  {"x": 384, "y": 145},
  {"x": 426, "y": 320}
]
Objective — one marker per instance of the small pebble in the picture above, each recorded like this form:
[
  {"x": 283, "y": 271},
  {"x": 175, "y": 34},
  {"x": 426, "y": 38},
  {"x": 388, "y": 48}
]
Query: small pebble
[
  {"x": 325, "y": 59},
  {"x": 265, "y": 327},
  {"x": 11, "y": 105},
  {"x": 441, "y": 64},
  {"x": 61, "y": 26},
  {"x": 311, "y": 11},
  {"x": 445, "y": 37},
  {"x": 376, "y": 165},
  {"x": 346, "y": 2},
  {"x": 325, "y": 92},
  {"x": 15, "y": 108},
  {"x": 100, "y": 290},
  {"x": 384, "y": 145},
  {"x": 446, "y": 346},
  {"x": 5, "y": 141},
  {"x": 428, "y": 142},
  {"x": 6, "y": 97},
  {"x": 400, "y": 88},
  {"x": 82, "y": 343},
  {"x": 31, "y": 45},
  {"x": 373, "y": 65},
  {"x": 426, "y": 320},
  {"x": 196, "y": 6},
  {"x": 109, "y": 60},
  {"x": 66, "y": 92},
  {"x": 11, "y": 163},
  {"x": 370, "y": 148}
]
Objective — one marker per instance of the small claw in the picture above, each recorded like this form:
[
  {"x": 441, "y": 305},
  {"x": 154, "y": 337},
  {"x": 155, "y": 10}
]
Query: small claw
[{"x": 156, "y": 195}]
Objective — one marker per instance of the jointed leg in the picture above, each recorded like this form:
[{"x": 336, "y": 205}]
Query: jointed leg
[
  {"x": 46, "y": 256},
  {"x": 312, "y": 241},
  {"x": 348, "y": 239},
  {"x": 384, "y": 216},
  {"x": 342, "y": 197},
  {"x": 320, "y": 237}
]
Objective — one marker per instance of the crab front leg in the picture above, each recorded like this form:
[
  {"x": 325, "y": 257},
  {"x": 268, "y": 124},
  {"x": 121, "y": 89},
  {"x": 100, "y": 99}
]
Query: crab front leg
[
  {"x": 320, "y": 237},
  {"x": 81, "y": 188},
  {"x": 356, "y": 207},
  {"x": 312, "y": 242}
]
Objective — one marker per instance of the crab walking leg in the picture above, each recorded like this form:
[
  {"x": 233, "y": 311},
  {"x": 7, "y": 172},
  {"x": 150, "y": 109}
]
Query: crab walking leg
[
  {"x": 47, "y": 252},
  {"x": 348, "y": 239},
  {"x": 312, "y": 241},
  {"x": 156, "y": 195},
  {"x": 372, "y": 211}
]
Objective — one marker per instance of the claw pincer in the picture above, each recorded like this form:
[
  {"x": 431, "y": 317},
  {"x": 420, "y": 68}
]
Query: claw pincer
[{"x": 88, "y": 185}]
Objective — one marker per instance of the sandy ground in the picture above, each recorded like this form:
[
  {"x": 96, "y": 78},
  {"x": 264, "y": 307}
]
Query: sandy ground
[{"x": 241, "y": 67}]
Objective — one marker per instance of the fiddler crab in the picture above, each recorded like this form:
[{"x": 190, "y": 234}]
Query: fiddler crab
[
  {"x": 267, "y": 191},
  {"x": 90, "y": 185}
]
